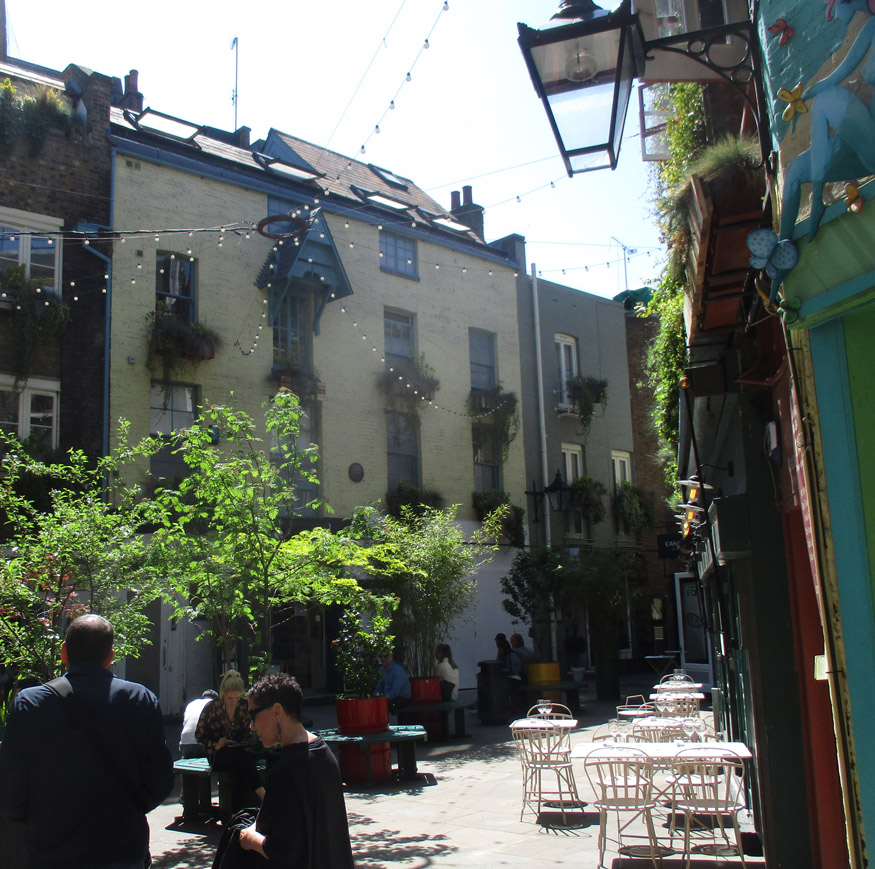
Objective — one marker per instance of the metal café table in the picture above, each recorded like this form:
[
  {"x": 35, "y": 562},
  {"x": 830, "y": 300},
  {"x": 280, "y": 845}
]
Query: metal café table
[{"x": 658, "y": 751}]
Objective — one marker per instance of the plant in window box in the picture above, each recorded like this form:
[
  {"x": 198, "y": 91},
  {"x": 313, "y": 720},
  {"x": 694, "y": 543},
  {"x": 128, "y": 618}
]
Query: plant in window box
[
  {"x": 583, "y": 394},
  {"x": 634, "y": 508},
  {"x": 497, "y": 408},
  {"x": 588, "y": 494},
  {"x": 39, "y": 314},
  {"x": 404, "y": 495},
  {"x": 408, "y": 385},
  {"x": 302, "y": 381},
  {"x": 486, "y": 501},
  {"x": 172, "y": 339}
]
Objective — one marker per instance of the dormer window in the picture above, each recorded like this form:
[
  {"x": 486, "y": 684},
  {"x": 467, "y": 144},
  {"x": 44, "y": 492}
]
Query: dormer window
[
  {"x": 274, "y": 164},
  {"x": 378, "y": 199},
  {"x": 164, "y": 125},
  {"x": 389, "y": 177}
]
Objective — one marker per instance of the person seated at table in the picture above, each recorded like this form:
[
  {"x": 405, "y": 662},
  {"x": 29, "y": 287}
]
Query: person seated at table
[
  {"x": 511, "y": 662},
  {"x": 224, "y": 728},
  {"x": 447, "y": 671},
  {"x": 525, "y": 654},
  {"x": 394, "y": 683},
  {"x": 188, "y": 744}
]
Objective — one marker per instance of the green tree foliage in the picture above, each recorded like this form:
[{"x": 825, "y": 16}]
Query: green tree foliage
[
  {"x": 85, "y": 553},
  {"x": 365, "y": 634},
  {"x": 437, "y": 583},
  {"x": 533, "y": 586},
  {"x": 232, "y": 554}
]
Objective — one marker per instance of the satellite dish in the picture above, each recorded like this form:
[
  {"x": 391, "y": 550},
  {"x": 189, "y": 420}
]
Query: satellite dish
[{"x": 581, "y": 66}]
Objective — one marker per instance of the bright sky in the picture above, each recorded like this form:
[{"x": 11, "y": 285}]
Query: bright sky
[{"x": 327, "y": 70}]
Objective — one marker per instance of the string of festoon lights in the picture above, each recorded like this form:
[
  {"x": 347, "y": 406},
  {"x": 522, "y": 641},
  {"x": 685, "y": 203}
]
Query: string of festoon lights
[{"x": 376, "y": 129}]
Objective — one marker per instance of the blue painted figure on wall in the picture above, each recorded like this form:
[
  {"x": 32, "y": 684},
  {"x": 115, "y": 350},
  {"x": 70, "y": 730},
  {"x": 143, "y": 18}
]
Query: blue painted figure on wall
[{"x": 849, "y": 154}]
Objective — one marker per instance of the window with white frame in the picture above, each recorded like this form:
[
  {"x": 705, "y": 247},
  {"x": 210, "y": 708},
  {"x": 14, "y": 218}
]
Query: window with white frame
[
  {"x": 566, "y": 365},
  {"x": 175, "y": 285},
  {"x": 481, "y": 353},
  {"x": 170, "y": 408},
  {"x": 30, "y": 242},
  {"x": 31, "y": 414},
  {"x": 621, "y": 462},
  {"x": 572, "y": 460},
  {"x": 398, "y": 254}
]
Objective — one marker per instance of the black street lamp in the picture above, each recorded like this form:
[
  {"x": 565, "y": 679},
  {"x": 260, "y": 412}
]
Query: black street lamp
[
  {"x": 583, "y": 71},
  {"x": 558, "y": 494}
]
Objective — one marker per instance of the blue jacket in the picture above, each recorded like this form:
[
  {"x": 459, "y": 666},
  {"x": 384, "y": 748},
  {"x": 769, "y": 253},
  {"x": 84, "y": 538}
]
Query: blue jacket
[
  {"x": 76, "y": 814},
  {"x": 394, "y": 682}
]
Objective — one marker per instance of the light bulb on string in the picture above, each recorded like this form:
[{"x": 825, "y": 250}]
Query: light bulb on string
[{"x": 408, "y": 77}]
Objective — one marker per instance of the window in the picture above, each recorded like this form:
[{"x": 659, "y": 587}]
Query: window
[
  {"x": 622, "y": 465},
  {"x": 486, "y": 463},
  {"x": 170, "y": 408},
  {"x": 402, "y": 453},
  {"x": 398, "y": 254},
  {"x": 175, "y": 285},
  {"x": 290, "y": 332},
  {"x": 32, "y": 413},
  {"x": 399, "y": 333},
  {"x": 481, "y": 351},
  {"x": 572, "y": 461},
  {"x": 566, "y": 365},
  {"x": 27, "y": 240}
]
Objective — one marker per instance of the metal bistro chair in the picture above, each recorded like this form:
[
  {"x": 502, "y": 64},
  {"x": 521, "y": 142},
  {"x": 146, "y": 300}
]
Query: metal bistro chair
[
  {"x": 547, "y": 709},
  {"x": 707, "y": 784},
  {"x": 544, "y": 753},
  {"x": 622, "y": 781},
  {"x": 635, "y": 707},
  {"x": 671, "y": 705}
]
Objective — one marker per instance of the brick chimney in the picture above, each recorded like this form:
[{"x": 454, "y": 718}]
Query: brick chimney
[
  {"x": 132, "y": 99},
  {"x": 467, "y": 212}
]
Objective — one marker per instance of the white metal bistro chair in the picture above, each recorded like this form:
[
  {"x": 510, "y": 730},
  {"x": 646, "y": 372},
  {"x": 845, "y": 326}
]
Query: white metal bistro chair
[
  {"x": 622, "y": 780},
  {"x": 547, "y": 709},
  {"x": 707, "y": 784},
  {"x": 548, "y": 777}
]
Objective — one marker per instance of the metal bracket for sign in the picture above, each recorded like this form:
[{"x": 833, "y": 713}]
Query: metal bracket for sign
[{"x": 698, "y": 45}]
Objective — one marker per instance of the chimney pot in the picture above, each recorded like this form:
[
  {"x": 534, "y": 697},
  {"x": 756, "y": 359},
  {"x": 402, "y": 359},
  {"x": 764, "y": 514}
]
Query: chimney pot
[
  {"x": 467, "y": 193},
  {"x": 131, "y": 85},
  {"x": 455, "y": 200}
]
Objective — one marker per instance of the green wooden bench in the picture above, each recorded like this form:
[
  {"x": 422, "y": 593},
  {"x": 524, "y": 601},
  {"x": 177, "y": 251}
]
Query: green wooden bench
[
  {"x": 403, "y": 736},
  {"x": 197, "y": 789},
  {"x": 410, "y": 713}
]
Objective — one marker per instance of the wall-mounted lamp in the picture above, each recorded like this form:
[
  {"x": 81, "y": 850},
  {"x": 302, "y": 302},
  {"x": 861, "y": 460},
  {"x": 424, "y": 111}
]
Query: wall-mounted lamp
[{"x": 558, "y": 493}]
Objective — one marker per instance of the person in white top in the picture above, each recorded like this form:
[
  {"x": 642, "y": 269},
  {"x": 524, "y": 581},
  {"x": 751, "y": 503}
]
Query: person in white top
[
  {"x": 188, "y": 744},
  {"x": 448, "y": 672}
]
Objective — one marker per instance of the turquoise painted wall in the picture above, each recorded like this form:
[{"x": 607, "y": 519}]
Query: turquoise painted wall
[{"x": 847, "y": 428}]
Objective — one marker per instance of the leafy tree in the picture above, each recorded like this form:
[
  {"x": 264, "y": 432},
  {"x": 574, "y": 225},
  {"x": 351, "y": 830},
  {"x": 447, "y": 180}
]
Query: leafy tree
[
  {"x": 437, "y": 582},
  {"x": 232, "y": 554},
  {"x": 85, "y": 553}
]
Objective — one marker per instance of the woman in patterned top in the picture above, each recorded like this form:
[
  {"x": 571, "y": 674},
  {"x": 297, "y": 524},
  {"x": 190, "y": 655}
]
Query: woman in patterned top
[{"x": 224, "y": 728}]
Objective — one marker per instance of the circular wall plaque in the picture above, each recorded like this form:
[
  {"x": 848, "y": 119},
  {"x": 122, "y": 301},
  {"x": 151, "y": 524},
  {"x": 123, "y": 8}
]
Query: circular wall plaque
[{"x": 356, "y": 472}]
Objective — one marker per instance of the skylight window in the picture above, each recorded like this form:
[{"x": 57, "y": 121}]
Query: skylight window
[
  {"x": 388, "y": 177},
  {"x": 165, "y": 125},
  {"x": 277, "y": 165},
  {"x": 386, "y": 202},
  {"x": 449, "y": 223}
]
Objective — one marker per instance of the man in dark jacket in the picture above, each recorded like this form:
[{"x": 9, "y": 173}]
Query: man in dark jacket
[{"x": 81, "y": 768}]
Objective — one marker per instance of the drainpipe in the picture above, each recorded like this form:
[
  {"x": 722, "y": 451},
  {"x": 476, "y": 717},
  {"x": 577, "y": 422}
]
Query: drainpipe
[
  {"x": 542, "y": 426},
  {"x": 104, "y": 440}
]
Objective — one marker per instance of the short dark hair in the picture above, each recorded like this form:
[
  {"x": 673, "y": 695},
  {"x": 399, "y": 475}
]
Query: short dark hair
[
  {"x": 278, "y": 688},
  {"x": 89, "y": 640}
]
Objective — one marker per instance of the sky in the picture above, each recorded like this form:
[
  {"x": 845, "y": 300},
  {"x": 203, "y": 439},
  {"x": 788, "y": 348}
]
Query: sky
[{"x": 327, "y": 71}]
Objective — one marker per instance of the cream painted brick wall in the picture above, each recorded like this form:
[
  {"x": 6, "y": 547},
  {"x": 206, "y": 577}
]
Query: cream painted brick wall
[
  {"x": 155, "y": 197},
  {"x": 446, "y": 302}
]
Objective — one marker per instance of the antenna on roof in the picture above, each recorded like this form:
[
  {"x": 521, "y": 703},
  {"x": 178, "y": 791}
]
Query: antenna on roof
[{"x": 235, "y": 47}]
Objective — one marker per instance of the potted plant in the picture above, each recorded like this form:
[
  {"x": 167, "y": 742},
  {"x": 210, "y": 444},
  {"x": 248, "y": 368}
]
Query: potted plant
[
  {"x": 588, "y": 493},
  {"x": 364, "y": 635},
  {"x": 408, "y": 384},
  {"x": 486, "y": 501},
  {"x": 172, "y": 339},
  {"x": 291, "y": 375},
  {"x": 583, "y": 394}
]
